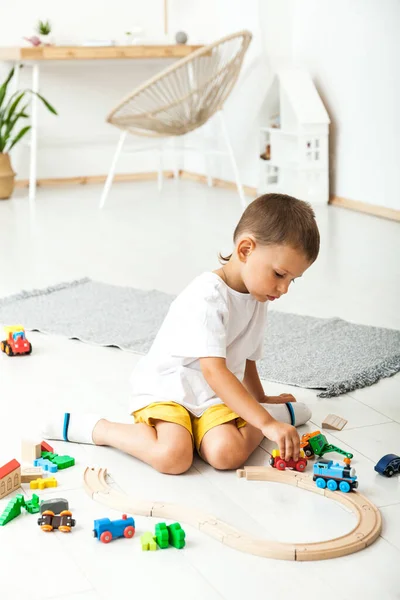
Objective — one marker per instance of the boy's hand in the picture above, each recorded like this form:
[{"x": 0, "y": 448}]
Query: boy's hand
[
  {"x": 286, "y": 437},
  {"x": 281, "y": 399}
]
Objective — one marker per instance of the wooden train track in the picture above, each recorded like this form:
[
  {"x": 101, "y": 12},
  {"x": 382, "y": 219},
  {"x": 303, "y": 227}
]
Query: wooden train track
[{"x": 365, "y": 532}]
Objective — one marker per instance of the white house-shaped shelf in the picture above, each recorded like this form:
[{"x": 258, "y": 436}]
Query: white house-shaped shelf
[{"x": 294, "y": 145}]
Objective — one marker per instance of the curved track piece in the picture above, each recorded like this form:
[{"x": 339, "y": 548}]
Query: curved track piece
[{"x": 364, "y": 533}]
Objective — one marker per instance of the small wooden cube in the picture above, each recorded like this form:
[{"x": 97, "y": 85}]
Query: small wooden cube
[
  {"x": 30, "y": 451},
  {"x": 333, "y": 422},
  {"x": 28, "y": 474}
]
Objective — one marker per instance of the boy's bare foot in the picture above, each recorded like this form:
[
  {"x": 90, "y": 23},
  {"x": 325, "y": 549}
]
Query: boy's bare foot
[{"x": 281, "y": 399}]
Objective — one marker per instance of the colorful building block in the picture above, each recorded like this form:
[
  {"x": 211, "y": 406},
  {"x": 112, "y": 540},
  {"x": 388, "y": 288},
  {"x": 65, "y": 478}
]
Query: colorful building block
[
  {"x": 46, "y": 447},
  {"x": 45, "y": 464},
  {"x": 62, "y": 462},
  {"x": 176, "y": 535},
  {"x": 56, "y": 505},
  {"x": 14, "y": 507},
  {"x": 161, "y": 535},
  {"x": 33, "y": 505},
  {"x": 148, "y": 541},
  {"x": 10, "y": 477},
  {"x": 46, "y": 454},
  {"x": 166, "y": 535},
  {"x": 12, "y": 510},
  {"x": 30, "y": 451},
  {"x": 41, "y": 484},
  {"x": 28, "y": 474}
]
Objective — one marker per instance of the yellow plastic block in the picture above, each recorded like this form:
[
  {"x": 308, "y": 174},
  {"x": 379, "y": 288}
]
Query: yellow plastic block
[
  {"x": 41, "y": 484},
  {"x": 148, "y": 542}
]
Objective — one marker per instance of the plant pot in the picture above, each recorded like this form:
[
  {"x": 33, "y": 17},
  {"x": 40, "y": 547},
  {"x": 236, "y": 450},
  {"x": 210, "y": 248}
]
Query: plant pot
[
  {"x": 45, "y": 40},
  {"x": 7, "y": 177}
]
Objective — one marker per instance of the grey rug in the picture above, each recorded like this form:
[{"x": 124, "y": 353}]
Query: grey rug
[{"x": 331, "y": 355}]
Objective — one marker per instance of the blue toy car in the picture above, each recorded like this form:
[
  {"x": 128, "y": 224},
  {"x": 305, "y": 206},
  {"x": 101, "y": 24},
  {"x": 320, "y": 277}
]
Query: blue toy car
[
  {"x": 388, "y": 465},
  {"x": 106, "y": 530},
  {"x": 334, "y": 475}
]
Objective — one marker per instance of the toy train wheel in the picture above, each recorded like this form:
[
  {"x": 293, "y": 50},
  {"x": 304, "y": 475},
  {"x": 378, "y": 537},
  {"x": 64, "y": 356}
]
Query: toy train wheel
[
  {"x": 389, "y": 472},
  {"x": 30, "y": 349},
  {"x": 301, "y": 465},
  {"x": 64, "y": 528},
  {"x": 308, "y": 451},
  {"x": 272, "y": 461},
  {"x": 8, "y": 350},
  {"x": 48, "y": 513},
  {"x": 66, "y": 513},
  {"x": 280, "y": 464},
  {"x": 321, "y": 483},
  {"x": 46, "y": 527},
  {"x": 344, "y": 486},
  {"x": 129, "y": 531},
  {"x": 332, "y": 485},
  {"x": 106, "y": 537},
  {"x": 3, "y": 346}
]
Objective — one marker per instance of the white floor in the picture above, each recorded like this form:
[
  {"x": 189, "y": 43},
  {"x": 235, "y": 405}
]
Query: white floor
[{"x": 162, "y": 241}]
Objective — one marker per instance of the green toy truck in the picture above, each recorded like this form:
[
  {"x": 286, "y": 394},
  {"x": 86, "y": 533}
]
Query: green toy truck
[{"x": 315, "y": 443}]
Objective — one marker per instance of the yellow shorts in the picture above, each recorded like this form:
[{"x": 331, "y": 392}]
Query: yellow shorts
[{"x": 196, "y": 426}]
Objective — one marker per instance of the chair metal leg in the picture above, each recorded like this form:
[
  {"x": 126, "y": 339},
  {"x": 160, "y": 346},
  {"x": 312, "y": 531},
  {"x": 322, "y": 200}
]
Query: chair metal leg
[
  {"x": 110, "y": 175},
  {"x": 206, "y": 156},
  {"x": 160, "y": 169},
  {"x": 233, "y": 160},
  {"x": 177, "y": 157}
]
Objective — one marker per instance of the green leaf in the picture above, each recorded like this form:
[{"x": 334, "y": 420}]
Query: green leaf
[
  {"x": 3, "y": 87},
  {"x": 47, "y": 104},
  {"x": 19, "y": 135},
  {"x": 14, "y": 105}
]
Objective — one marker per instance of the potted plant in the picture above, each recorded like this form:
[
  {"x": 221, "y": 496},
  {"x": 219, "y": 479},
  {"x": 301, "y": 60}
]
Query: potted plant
[
  {"x": 12, "y": 109},
  {"x": 43, "y": 29}
]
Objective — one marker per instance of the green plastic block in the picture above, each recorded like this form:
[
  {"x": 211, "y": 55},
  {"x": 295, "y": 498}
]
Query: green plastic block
[
  {"x": 32, "y": 506},
  {"x": 148, "y": 542},
  {"x": 63, "y": 462},
  {"x": 11, "y": 511},
  {"x": 161, "y": 535},
  {"x": 49, "y": 455},
  {"x": 176, "y": 535}
]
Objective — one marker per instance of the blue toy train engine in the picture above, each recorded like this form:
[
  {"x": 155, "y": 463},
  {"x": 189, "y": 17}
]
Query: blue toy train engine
[
  {"x": 334, "y": 475},
  {"x": 106, "y": 530}
]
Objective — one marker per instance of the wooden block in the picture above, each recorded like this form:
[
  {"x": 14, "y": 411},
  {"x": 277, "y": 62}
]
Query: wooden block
[
  {"x": 333, "y": 422},
  {"x": 46, "y": 447},
  {"x": 29, "y": 474},
  {"x": 30, "y": 451}
]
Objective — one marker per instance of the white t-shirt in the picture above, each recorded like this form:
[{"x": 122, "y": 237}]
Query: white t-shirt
[{"x": 208, "y": 318}]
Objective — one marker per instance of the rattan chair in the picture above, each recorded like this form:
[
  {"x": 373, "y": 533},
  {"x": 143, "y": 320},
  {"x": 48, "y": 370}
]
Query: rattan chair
[{"x": 181, "y": 99}]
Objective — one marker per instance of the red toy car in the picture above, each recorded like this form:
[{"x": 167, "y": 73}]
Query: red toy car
[
  {"x": 279, "y": 463},
  {"x": 16, "y": 342}
]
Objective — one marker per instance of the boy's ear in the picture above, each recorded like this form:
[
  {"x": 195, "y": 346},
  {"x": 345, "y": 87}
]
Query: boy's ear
[{"x": 245, "y": 248}]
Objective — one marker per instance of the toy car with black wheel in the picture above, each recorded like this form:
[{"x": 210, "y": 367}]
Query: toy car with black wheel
[
  {"x": 16, "y": 342},
  {"x": 388, "y": 465},
  {"x": 49, "y": 521},
  {"x": 281, "y": 464}
]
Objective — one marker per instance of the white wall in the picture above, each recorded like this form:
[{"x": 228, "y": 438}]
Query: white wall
[{"x": 352, "y": 50}]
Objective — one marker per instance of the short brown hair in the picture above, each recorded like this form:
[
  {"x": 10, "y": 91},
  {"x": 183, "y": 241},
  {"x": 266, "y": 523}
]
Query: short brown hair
[{"x": 280, "y": 219}]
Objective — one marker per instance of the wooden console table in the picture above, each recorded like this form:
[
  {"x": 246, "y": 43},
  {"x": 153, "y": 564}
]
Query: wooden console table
[{"x": 35, "y": 55}]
